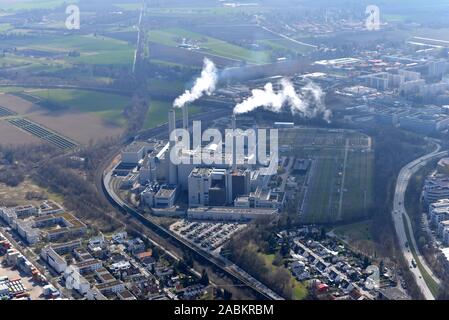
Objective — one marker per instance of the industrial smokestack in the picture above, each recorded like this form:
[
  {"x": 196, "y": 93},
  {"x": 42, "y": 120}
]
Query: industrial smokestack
[
  {"x": 234, "y": 143},
  {"x": 172, "y": 169},
  {"x": 185, "y": 117}
]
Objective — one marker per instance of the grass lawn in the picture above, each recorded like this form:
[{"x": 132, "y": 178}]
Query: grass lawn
[
  {"x": 326, "y": 184},
  {"x": 321, "y": 199},
  {"x": 299, "y": 290},
  {"x": 354, "y": 231},
  {"x": 359, "y": 174},
  {"x": 359, "y": 237},
  {"x": 269, "y": 258}
]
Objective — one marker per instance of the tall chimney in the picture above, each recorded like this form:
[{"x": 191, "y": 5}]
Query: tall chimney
[
  {"x": 172, "y": 168},
  {"x": 185, "y": 117},
  {"x": 234, "y": 142}
]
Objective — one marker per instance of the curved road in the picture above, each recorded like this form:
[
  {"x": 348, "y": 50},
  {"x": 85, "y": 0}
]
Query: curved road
[{"x": 399, "y": 215}]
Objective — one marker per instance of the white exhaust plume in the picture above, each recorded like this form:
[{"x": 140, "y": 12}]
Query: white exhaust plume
[
  {"x": 309, "y": 102},
  {"x": 204, "y": 85}
]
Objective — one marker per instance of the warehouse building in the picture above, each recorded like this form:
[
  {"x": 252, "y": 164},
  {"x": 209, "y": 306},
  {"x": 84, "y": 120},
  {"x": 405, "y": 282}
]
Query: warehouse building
[{"x": 228, "y": 214}]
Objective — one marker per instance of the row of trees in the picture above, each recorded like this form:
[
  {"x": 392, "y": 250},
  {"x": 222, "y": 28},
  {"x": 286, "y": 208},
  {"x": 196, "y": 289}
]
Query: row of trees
[
  {"x": 15, "y": 161},
  {"x": 393, "y": 149}
]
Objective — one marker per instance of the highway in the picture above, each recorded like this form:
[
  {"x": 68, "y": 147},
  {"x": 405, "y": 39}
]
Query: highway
[
  {"x": 399, "y": 213},
  {"x": 139, "y": 36}
]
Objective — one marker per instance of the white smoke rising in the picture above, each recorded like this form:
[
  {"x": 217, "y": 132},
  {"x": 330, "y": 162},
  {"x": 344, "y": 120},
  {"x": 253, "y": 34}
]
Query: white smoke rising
[
  {"x": 204, "y": 85},
  {"x": 309, "y": 102}
]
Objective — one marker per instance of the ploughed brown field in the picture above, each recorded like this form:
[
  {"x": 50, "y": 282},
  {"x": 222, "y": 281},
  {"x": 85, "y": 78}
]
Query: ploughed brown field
[
  {"x": 82, "y": 127},
  {"x": 11, "y": 135}
]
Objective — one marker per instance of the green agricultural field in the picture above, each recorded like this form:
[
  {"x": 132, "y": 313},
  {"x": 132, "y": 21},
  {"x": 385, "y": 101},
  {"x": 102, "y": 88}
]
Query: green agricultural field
[
  {"x": 173, "y": 37},
  {"x": 340, "y": 178},
  {"x": 166, "y": 87},
  {"x": 93, "y": 49},
  {"x": 32, "y": 4},
  {"x": 129, "y": 6},
  {"x": 170, "y": 64},
  {"x": 284, "y": 44},
  {"x": 10, "y": 89},
  {"x": 5, "y": 27},
  {"x": 198, "y": 12},
  {"x": 108, "y": 106}
]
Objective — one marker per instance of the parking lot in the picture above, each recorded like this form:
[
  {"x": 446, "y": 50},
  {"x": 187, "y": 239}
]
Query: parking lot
[
  {"x": 209, "y": 236},
  {"x": 34, "y": 290}
]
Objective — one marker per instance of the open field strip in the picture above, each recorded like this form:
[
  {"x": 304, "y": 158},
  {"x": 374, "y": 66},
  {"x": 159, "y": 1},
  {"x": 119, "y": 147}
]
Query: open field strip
[{"x": 173, "y": 37}]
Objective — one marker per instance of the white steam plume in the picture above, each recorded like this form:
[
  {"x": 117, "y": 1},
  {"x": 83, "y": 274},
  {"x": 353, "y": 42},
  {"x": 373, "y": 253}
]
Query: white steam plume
[
  {"x": 309, "y": 102},
  {"x": 205, "y": 84}
]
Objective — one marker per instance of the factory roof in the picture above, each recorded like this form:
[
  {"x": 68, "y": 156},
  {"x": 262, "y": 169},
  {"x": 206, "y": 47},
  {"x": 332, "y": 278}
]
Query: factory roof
[
  {"x": 165, "y": 192},
  {"x": 232, "y": 210},
  {"x": 201, "y": 172},
  {"x": 134, "y": 147}
]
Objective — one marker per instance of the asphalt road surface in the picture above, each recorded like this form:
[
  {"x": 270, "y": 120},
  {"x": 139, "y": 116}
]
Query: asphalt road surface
[{"x": 399, "y": 214}]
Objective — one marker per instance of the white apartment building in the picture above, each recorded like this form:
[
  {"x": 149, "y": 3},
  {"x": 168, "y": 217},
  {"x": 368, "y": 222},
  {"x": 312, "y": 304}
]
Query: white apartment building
[
  {"x": 436, "y": 188},
  {"x": 437, "y": 215},
  {"x": 54, "y": 260}
]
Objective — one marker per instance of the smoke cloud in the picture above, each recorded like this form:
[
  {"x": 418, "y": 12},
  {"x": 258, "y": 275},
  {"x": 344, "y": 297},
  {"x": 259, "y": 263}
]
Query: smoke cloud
[
  {"x": 204, "y": 85},
  {"x": 309, "y": 102}
]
